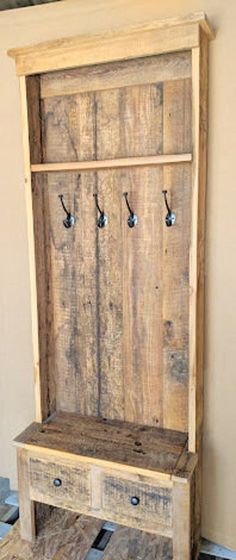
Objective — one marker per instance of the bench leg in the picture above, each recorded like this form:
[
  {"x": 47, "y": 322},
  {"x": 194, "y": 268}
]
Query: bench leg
[
  {"x": 181, "y": 520},
  {"x": 27, "y": 507}
]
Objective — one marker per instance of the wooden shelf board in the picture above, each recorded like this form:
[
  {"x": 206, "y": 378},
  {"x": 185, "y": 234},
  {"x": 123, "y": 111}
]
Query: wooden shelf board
[
  {"x": 136, "y": 447},
  {"x": 111, "y": 163}
]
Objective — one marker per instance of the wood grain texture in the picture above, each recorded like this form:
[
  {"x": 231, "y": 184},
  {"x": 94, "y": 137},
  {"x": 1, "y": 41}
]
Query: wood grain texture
[
  {"x": 120, "y": 310},
  {"x": 33, "y": 88},
  {"x": 197, "y": 264},
  {"x": 64, "y": 125},
  {"x": 74, "y": 349},
  {"x": 139, "y": 161},
  {"x": 197, "y": 253},
  {"x": 75, "y": 484},
  {"x": 40, "y": 205},
  {"x": 63, "y": 536},
  {"x": 68, "y": 536},
  {"x": 109, "y": 440},
  {"x": 99, "y": 277},
  {"x": 182, "y": 546},
  {"x": 141, "y": 301},
  {"x": 138, "y": 108},
  {"x": 167, "y": 35},
  {"x": 27, "y": 510},
  {"x": 130, "y": 544},
  {"x": 175, "y": 301},
  {"x": 153, "y": 513},
  {"x": 40, "y": 406},
  {"x": 116, "y": 75}
]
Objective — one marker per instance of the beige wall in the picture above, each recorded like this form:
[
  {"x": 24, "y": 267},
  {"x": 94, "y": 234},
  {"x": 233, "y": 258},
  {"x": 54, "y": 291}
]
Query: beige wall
[{"x": 35, "y": 24}]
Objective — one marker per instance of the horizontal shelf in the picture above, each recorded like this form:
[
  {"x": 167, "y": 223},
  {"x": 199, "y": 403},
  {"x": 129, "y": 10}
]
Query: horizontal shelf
[
  {"x": 104, "y": 441},
  {"x": 112, "y": 163}
]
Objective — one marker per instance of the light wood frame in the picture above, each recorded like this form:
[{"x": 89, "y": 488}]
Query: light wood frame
[
  {"x": 167, "y": 35},
  {"x": 192, "y": 33}
]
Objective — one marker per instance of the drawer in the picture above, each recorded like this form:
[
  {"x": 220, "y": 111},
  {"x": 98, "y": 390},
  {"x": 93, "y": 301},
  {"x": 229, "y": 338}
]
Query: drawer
[
  {"x": 138, "y": 504},
  {"x": 61, "y": 485}
]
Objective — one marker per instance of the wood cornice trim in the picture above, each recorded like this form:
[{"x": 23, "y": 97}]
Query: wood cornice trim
[{"x": 168, "y": 35}]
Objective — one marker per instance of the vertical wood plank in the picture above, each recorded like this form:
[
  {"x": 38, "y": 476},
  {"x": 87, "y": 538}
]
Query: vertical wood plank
[
  {"x": 109, "y": 260},
  {"x": 68, "y": 134},
  {"x": 40, "y": 412},
  {"x": 181, "y": 520},
  {"x": 197, "y": 256},
  {"x": 177, "y": 117},
  {"x": 62, "y": 274},
  {"x": 142, "y": 133},
  {"x": 45, "y": 295},
  {"x": 35, "y": 119},
  {"x": 175, "y": 258},
  {"x": 141, "y": 120},
  {"x": 67, "y": 124},
  {"x": 175, "y": 297},
  {"x": 27, "y": 512},
  {"x": 86, "y": 278},
  {"x": 196, "y": 322},
  {"x": 142, "y": 280}
]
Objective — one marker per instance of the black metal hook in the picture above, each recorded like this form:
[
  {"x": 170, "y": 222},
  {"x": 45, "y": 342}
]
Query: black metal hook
[
  {"x": 170, "y": 216},
  {"x": 70, "y": 219},
  {"x": 103, "y": 218},
  {"x": 133, "y": 218}
]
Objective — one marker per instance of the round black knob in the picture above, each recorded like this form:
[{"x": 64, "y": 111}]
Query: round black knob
[
  {"x": 57, "y": 482},
  {"x": 135, "y": 501}
]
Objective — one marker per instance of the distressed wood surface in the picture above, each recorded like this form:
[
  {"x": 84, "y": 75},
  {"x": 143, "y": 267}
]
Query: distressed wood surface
[
  {"x": 43, "y": 263},
  {"x": 129, "y": 544},
  {"x": 63, "y": 536},
  {"x": 154, "y": 510},
  {"x": 117, "y": 75},
  {"x": 39, "y": 383},
  {"x": 169, "y": 35},
  {"x": 182, "y": 544},
  {"x": 120, "y": 310},
  {"x": 175, "y": 258},
  {"x": 27, "y": 508},
  {"x": 114, "y": 302},
  {"x": 111, "y": 440},
  {"x": 67, "y": 536},
  {"x": 75, "y": 483},
  {"x": 139, "y": 161},
  {"x": 197, "y": 265}
]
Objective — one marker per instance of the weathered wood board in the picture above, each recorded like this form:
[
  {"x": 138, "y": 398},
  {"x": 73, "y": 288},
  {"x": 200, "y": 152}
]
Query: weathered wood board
[
  {"x": 118, "y": 322},
  {"x": 113, "y": 303},
  {"x": 67, "y": 536},
  {"x": 115, "y": 442}
]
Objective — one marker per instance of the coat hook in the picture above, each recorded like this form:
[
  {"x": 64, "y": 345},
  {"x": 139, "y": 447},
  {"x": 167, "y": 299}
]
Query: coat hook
[
  {"x": 133, "y": 218},
  {"x": 170, "y": 216},
  {"x": 103, "y": 218},
  {"x": 70, "y": 219}
]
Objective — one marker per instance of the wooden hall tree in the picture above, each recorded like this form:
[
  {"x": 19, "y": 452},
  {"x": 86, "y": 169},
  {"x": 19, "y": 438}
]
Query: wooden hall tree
[{"x": 115, "y": 131}]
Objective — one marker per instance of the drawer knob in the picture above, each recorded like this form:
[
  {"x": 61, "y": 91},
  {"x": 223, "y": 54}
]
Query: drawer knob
[
  {"x": 135, "y": 501},
  {"x": 57, "y": 482}
]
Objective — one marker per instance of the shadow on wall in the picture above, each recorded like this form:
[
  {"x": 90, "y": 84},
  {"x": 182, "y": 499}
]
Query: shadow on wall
[{"x": 12, "y": 4}]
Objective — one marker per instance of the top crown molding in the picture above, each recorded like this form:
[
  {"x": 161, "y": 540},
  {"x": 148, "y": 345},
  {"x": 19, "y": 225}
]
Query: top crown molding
[{"x": 156, "y": 37}]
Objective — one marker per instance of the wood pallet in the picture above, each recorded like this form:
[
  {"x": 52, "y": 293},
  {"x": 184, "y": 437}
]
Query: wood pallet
[{"x": 67, "y": 536}]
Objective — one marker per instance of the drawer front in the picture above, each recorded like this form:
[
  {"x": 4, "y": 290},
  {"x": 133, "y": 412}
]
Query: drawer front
[
  {"x": 137, "y": 504},
  {"x": 59, "y": 484}
]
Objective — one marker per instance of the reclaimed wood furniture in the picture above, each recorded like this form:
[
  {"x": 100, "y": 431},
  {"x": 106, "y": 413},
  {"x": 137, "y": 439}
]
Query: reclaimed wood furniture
[
  {"x": 69, "y": 536},
  {"x": 117, "y": 312}
]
